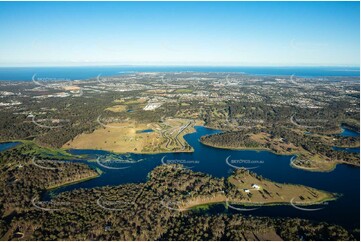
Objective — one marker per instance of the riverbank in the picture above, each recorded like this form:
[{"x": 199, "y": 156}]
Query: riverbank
[{"x": 98, "y": 171}]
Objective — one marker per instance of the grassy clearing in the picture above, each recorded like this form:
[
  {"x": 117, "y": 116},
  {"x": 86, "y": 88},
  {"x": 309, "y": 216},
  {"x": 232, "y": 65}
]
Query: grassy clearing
[
  {"x": 127, "y": 137},
  {"x": 31, "y": 148},
  {"x": 183, "y": 90},
  {"x": 117, "y": 108},
  {"x": 134, "y": 101},
  {"x": 269, "y": 192}
]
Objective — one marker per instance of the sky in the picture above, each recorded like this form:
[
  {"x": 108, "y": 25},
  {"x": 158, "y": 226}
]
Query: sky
[{"x": 180, "y": 33}]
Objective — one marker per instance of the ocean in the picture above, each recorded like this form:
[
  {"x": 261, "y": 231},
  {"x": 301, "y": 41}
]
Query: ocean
[{"x": 82, "y": 73}]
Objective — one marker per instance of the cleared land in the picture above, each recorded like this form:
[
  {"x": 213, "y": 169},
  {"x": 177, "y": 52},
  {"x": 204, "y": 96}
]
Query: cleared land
[
  {"x": 132, "y": 137},
  {"x": 269, "y": 192}
]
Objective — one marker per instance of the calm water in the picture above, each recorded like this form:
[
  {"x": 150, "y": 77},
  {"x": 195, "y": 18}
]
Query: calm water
[
  {"x": 344, "y": 179},
  {"x": 145, "y": 131},
  {"x": 81, "y": 73},
  {"x": 8, "y": 145},
  {"x": 349, "y": 133},
  {"x": 351, "y": 150}
]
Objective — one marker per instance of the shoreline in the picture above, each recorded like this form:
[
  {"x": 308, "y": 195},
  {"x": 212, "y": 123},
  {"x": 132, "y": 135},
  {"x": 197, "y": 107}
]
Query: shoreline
[
  {"x": 335, "y": 163},
  {"x": 68, "y": 155},
  {"x": 255, "y": 204},
  {"x": 329, "y": 197},
  {"x": 285, "y": 198},
  {"x": 246, "y": 148},
  {"x": 99, "y": 173}
]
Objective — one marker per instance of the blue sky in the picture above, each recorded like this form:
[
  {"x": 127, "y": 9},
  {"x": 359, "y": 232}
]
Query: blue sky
[{"x": 180, "y": 33}]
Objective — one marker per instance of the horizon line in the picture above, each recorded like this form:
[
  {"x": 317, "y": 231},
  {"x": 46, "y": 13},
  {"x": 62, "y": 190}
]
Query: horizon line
[{"x": 175, "y": 65}]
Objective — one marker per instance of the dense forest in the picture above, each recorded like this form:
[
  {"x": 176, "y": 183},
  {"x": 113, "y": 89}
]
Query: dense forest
[{"x": 248, "y": 228}]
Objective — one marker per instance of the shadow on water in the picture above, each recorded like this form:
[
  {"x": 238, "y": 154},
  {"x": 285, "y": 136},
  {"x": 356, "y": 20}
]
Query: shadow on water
[{"x": 343, "y": 180}]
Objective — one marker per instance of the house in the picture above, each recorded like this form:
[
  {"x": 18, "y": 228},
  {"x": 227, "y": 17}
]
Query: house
[{"x": 255, "y": 186}]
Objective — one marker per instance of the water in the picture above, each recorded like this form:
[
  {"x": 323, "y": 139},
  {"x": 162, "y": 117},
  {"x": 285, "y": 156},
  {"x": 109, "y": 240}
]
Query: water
[
  {"x": 343, "y": 180},
  {"x": 8, "y": 145},
  {"x": 145, "y": 131},
  {"x": 351, "y": 150},
  {"x": 81, "y": 73},
  {"x": 349, "y": 133}
]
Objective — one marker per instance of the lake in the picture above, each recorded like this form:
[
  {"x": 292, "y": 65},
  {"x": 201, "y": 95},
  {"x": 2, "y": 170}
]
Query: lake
[{"x": 343, "y": 180}]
